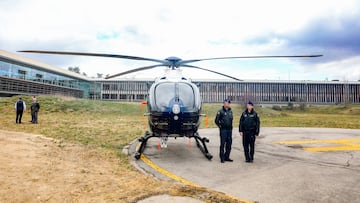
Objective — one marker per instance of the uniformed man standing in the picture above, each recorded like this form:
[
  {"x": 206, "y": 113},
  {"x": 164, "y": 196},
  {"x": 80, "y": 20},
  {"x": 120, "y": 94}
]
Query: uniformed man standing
[
  {"x": 224, "y": 120},
  {"x": 35, "y": 107},
  {"x": 249, "y": 128},
  {"x": 20, "y": 107}
]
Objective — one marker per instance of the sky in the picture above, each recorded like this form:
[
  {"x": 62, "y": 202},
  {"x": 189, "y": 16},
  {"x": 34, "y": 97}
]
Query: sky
[{"x": 191, "y": 30}]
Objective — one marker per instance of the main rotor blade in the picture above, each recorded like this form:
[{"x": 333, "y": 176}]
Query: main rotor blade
[
  {"x": 94, "y": 54},
  {"x": 190, "y": 66},
  {"x": 134, "y": 70},
  {"x": 248, "y": 57}
]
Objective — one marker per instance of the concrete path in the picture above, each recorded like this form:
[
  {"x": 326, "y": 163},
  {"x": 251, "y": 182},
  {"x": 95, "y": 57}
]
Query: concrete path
[
  {"x": 168, "y": 198},
  {"x": 291, "y": 165}
]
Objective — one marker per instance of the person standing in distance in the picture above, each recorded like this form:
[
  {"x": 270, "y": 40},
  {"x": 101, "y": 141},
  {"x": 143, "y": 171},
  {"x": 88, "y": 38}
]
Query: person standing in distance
[
  {"x": 249, "y": 128},
  {"x": 224, "y": 120},
  {"x": 35, "y": 107},
  {"x": 20, "y": 107}
]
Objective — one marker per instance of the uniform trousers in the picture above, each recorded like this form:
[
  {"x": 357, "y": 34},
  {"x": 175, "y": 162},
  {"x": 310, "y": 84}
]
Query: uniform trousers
[
  {"x": 19, "y": 114},
  {"x": 225, "y": 143},
  {"x": 249, "y": 144}
]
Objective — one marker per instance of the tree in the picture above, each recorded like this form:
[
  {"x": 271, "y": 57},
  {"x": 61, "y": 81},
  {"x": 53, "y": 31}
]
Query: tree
[
  {"x": 75, "y": 69},
  {"x": 99, "y": 75}
]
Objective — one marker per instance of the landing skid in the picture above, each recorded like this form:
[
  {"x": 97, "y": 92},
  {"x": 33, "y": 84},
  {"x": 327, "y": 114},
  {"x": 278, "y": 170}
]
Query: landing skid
[
  {"x": 200, "y": 143},
  {"x": 143, "y": 141}
]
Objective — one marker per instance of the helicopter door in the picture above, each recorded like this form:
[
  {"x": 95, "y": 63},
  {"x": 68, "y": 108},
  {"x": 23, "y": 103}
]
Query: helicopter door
[{"x": 168, "y": 94}]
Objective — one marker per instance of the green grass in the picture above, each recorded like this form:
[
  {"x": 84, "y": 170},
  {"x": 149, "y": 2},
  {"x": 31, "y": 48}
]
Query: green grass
[
  {"x": 313, "y": 116},
  {"x": 111, "y": 125},
  {"x": 115, "y": 124},
  {"x": 105, "y": 124}
]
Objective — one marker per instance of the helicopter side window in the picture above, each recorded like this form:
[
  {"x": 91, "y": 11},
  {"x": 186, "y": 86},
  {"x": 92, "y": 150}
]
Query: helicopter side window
[{"x": 168, "y": 94}]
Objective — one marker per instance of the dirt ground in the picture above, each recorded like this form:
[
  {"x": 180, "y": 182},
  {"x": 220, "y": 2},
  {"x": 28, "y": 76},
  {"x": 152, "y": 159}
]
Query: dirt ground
[{"x": 34, "y": 168}]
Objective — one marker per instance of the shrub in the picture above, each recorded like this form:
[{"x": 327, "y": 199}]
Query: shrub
[
  {"x": 276, "y": 108},
  {"x": 302, "y": 106},
  {"x": 290, "y": 106}
]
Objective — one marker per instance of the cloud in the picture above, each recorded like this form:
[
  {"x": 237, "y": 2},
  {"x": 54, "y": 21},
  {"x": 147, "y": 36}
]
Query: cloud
[
  {"x": 336, "y": 38},
  {"x": 160, "y": 28}
]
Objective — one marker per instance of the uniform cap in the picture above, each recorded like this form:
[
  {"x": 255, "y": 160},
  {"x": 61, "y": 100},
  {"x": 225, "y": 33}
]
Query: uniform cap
[
  {"x": 251, "y": 103},
  {"x": 227, "y": 100}
]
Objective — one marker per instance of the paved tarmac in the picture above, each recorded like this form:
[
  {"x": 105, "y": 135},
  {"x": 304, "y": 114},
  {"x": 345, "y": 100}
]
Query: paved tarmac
[{"x": 291, "y": 165}]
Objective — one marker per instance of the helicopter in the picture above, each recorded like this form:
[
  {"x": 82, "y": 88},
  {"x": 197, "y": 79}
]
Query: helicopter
[{"x": 173, "y": 101}]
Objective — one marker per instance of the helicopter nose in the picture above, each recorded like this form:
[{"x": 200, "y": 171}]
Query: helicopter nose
[{"x": 176, "y": 109}]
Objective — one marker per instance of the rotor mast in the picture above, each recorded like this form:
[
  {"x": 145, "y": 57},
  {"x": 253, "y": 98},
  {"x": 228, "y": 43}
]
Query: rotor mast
[{"x": 173, "y": 62}]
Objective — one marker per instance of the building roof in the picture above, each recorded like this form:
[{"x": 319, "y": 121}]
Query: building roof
[
  {"x": 40, "y": 66},
  {"x": 280, "y": 81},
  {"x": 232, "y": 81}
]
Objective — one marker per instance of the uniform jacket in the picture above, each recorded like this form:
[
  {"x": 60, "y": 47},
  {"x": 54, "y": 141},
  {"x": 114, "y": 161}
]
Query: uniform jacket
[
  {"x": 249, "y": 122},
  {"x": 35, "y": 106},
  {"x": 224, "y": 119},
  {"x": 20, "y": 105}
]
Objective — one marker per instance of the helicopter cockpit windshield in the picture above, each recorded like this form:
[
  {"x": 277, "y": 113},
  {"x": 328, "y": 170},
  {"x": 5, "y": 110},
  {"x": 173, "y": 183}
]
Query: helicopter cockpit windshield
[{"x": 168, "y": 93}]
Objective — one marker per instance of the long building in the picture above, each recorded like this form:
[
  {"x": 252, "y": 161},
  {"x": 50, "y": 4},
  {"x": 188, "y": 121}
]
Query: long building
[
  {"x": 323, "y": 92},
  {"x": 21, "y": 75}
]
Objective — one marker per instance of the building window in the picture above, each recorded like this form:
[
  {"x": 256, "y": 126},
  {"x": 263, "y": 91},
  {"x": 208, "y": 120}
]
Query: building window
[
  {"x": 106, "y": 87},
  {"x": 106, "y": 96},
  {"x": 114, "y": 87},
  {"x": 122, "y": 96},
  {"x": 140, "y": 96},
  {"x": 22, "y": 74},
  {"x": 113, "y": 96}
]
